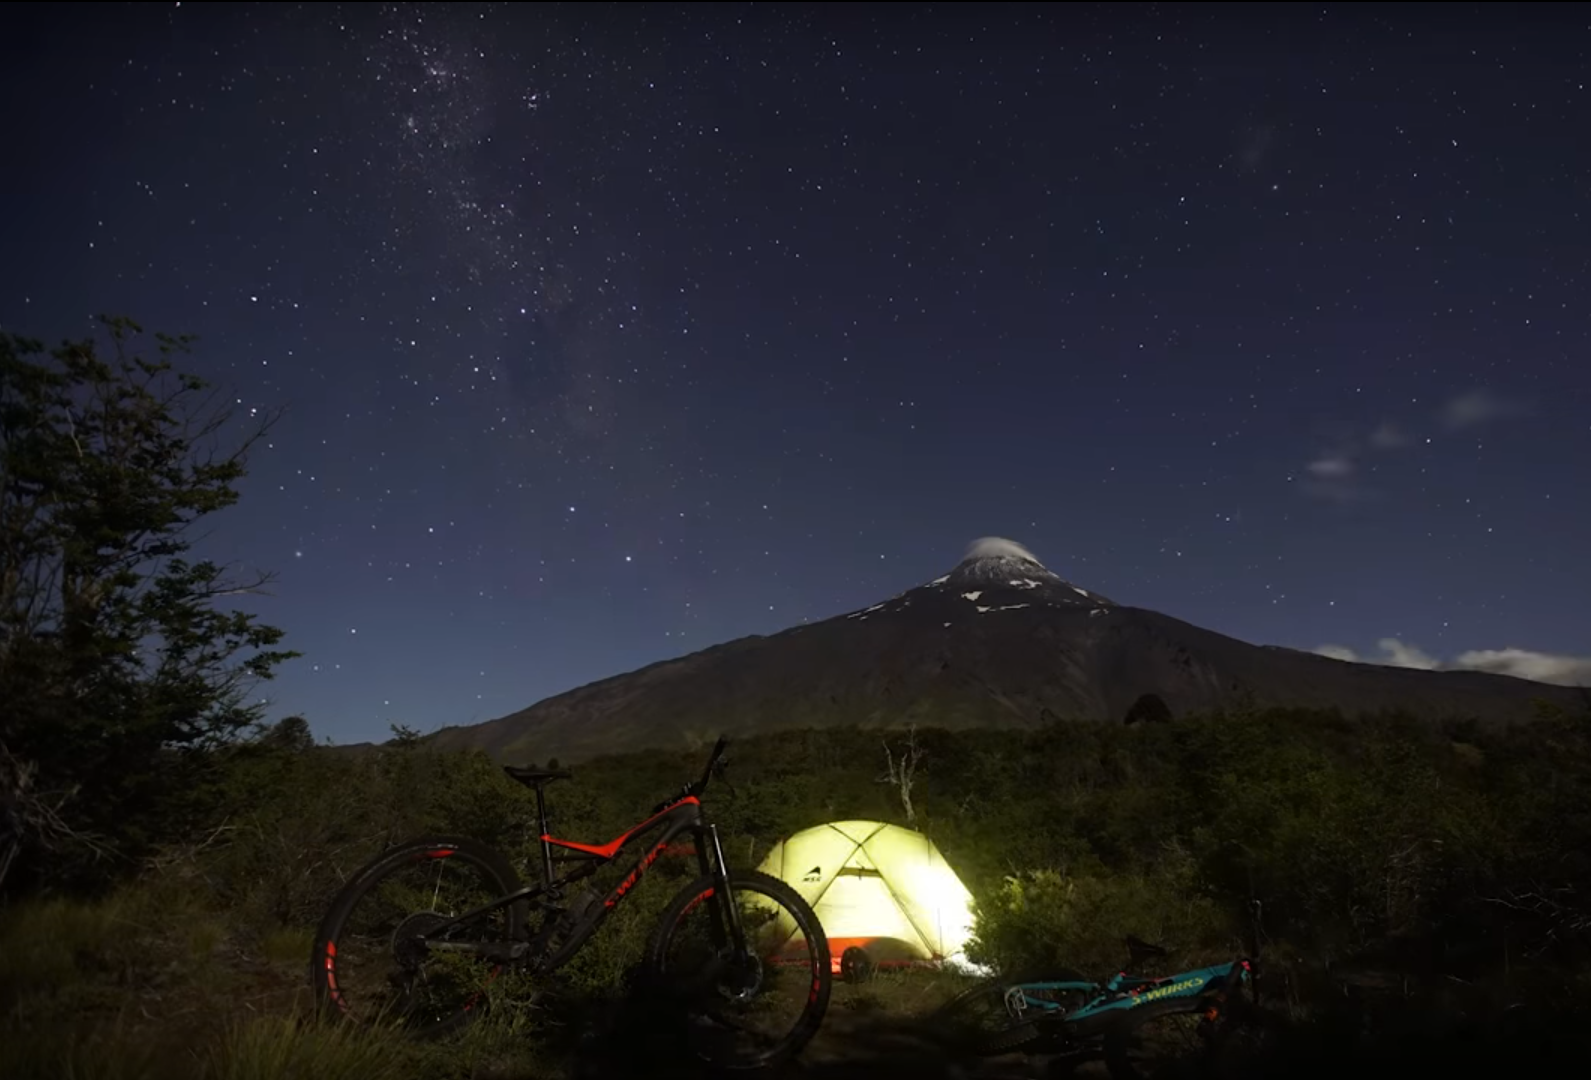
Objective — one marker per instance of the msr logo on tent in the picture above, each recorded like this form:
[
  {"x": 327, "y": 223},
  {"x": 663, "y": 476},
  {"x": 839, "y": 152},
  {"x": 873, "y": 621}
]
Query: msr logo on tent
[{"x": 814, "y": 874}]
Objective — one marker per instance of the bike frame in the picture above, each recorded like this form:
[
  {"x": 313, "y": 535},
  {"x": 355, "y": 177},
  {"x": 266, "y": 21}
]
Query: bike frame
[
  {"x": 1123, "y": 992},
  {"x": 674, "y": 818}
]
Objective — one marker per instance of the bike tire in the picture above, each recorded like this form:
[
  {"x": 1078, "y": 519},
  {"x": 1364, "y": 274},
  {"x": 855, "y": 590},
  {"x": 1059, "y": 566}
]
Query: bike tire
[
  {"x": 1213, "y": 1058},
  {"x": 496, "y": 872},
  {"x": 952, "y": 1018},
  {"x": 806, "y": 921}
]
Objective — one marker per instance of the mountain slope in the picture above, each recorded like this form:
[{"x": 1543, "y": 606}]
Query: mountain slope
[{"x": 1000, "y": 641}]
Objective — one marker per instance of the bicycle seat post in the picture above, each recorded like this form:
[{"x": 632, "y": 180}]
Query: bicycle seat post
[
  {"x": 541, "y": 834},
  {"x": 533, "y": 777}
]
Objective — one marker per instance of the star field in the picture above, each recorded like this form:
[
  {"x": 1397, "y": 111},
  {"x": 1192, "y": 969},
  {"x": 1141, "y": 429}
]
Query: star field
[{"x": 605, "y": 333}]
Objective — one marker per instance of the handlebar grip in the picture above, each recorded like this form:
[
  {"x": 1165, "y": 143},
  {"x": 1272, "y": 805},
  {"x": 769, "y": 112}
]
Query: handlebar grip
[{"x": 712, "y": 763}]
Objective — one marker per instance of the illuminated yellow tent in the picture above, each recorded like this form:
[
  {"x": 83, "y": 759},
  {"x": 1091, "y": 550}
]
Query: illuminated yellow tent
[{"x": 877, "y": 887}]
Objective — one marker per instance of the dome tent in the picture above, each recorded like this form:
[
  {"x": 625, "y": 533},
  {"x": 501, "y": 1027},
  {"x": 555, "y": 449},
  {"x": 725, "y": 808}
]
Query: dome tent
[{"x": 877, "y": 887}]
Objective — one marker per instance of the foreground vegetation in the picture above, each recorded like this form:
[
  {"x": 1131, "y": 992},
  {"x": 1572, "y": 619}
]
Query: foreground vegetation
[{"x": 1431, "y": 876}]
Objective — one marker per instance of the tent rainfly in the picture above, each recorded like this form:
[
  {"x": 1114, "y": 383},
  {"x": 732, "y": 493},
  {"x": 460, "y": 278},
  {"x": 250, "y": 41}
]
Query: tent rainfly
[{"x": 879, "y": 888}]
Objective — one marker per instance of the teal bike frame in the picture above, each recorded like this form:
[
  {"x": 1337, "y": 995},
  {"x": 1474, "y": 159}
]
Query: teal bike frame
[
  {"x": 1107, "y": 1002},
  {"x": 1119, "y": 994}
]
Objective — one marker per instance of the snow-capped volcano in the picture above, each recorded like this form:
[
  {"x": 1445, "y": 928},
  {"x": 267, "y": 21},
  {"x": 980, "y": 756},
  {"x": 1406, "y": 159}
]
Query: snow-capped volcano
[
  {"x": 995, "y": 575},
  {"x": 993, "y": 557},
  {"x": 999, "y": 641},
  {"x": 996, "y": 563}
]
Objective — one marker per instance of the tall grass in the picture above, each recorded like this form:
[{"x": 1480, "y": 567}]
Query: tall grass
[
  {"x": 84, "y": 1051},
  {"x": 287, "y": 1048},
  {"x": 58, "y": 951}
]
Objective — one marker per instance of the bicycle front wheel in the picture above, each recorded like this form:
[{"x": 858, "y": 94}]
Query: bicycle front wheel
[
  {"x": 988, "y": 1020},
  {"x": 744, "y": 1009},
  {"x": 378, "y": 955}
]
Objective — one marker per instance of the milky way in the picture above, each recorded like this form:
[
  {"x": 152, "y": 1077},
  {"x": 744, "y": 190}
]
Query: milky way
[{"x": 605, "y": 333}]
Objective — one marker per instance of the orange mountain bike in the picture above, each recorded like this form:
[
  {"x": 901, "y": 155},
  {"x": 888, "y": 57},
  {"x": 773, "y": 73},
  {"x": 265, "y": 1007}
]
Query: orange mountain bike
[{"x": 417, "y": 936}]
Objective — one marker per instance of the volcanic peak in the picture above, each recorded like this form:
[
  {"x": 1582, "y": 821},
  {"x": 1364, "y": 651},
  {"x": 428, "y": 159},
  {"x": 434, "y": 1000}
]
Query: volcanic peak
[{"x": 994, "y": 562}]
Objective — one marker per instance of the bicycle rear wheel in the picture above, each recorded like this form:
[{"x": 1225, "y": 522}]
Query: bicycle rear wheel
[
  {"x": 375, "y": 961},
  {"x": 749, "y": 1011},
  {"x": 1180, "y": 1039}
]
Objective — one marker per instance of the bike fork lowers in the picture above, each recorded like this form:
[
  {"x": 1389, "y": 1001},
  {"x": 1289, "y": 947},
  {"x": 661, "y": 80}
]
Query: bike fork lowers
[{"x": 726, "y": 897}]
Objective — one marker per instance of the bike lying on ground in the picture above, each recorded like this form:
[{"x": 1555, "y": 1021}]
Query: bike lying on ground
[
  {"x": 1204, "y": 1017},
  {"x": 416, "y": 937}
]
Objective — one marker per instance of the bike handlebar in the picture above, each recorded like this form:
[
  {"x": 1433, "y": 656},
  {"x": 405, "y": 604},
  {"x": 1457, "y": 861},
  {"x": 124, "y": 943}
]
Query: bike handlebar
[{"x": 712, "y": 763}]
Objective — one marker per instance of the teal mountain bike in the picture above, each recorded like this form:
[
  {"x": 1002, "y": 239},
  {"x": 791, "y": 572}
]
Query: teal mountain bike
[{"x": 1200, "y": 1021}]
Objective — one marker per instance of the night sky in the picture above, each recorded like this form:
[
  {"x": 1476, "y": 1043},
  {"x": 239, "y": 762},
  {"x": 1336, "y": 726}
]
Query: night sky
[{"x": 606, "y": 333}]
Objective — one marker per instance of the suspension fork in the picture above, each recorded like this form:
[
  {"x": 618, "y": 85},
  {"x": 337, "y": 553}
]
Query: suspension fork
[{"x": 723, "y": 894}]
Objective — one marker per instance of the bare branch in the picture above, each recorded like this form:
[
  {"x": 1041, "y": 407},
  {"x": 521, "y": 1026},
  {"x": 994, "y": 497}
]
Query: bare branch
[
  {"x": 27, "y": 814},
  {"x": 900, "y": 774}
]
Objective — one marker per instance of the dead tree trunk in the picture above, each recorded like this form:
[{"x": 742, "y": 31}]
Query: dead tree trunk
[{"x": 900, "y": 772}]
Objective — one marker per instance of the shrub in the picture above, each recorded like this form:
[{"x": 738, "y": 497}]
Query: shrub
[{"x": 1042, "y": 919}]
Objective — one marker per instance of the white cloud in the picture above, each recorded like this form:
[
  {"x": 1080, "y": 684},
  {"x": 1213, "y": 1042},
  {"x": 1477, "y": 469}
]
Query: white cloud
[
  {"x": 1338, "y": 652},
  {"x": 1521, "y": 663},
  {"x": 1525, "y": 664},
  {"x": 1394, "y": 653},
  {"x": 1336, "y": 475},
  {"x": 1331, "y": 467},
  {"x": 1410, "y": 656},
  {"x": 998, "y": 547},
  {"x": 1478, "y": 407}
]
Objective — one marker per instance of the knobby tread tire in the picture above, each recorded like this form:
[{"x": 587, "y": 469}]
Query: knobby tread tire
[
  {"x": 817, "y": 1005},
  {"x": 484, "y": 856}
]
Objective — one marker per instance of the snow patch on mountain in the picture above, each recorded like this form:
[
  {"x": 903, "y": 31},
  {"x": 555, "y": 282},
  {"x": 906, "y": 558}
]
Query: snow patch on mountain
[
  {"x": 994, "y": 568},
  {"x": 996, "y": 575}
]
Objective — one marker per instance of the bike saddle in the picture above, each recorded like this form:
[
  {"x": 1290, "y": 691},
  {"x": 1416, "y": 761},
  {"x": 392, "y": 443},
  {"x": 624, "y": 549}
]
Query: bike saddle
[
  {"x": 1140, "y": 949},
  {"x": 532, "y": 776}
]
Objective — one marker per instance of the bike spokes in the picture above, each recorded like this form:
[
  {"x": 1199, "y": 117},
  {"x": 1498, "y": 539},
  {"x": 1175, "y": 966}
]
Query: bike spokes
[
  {"x": 984, "y": 1020},
  {"x": 397, "y": 959},
  {"x": 739, "y": 1001}
]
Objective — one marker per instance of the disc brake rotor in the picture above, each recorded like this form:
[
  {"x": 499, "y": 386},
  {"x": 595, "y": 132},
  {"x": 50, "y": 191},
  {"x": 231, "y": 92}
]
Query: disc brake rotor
[
  {"x": 742, "y": 979},
  {"x": 408, "y": 940}
]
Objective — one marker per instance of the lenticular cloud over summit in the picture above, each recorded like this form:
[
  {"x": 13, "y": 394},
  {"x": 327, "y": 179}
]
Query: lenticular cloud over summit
[
  {"x": 997, "y": 574},
  {"x": 996, "y": 547}
]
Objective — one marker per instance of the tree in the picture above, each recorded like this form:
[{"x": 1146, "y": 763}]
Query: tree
[
  {"x": 1149, "y": 709},
  {"x": 119, "y": 664},
  {"x": 290, "y": 734},
  {"x": 901, "y": 772},
  {"x": 405, "y": 737}
]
